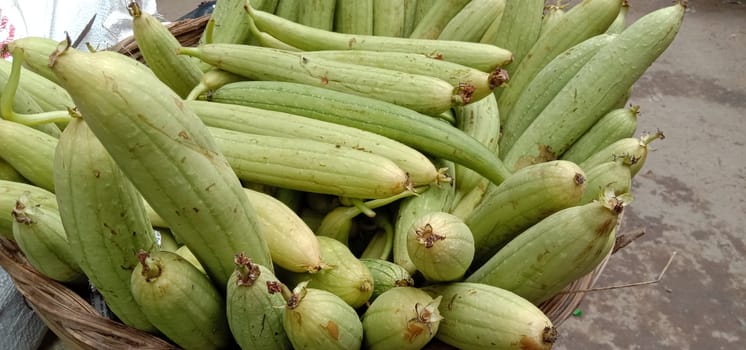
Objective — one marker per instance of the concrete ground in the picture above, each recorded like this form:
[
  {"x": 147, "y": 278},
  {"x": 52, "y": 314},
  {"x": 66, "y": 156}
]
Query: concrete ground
[{"x": 689, "y": 197}]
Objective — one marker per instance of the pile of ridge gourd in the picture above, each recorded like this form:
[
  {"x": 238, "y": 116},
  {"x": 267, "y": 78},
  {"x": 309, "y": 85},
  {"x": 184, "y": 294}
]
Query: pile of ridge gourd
[{"x": 332, "y": 174}]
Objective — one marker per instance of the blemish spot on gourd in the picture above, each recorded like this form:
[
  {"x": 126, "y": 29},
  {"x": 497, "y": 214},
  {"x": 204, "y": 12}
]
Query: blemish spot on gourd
[
  {"x": 324, "y": 80},
  {"x": 97, "y": 173},
  {"x": 183, "y": 134},
  {"x": 196, "y": 210},
  {"x": 606, "y": 227},
  {"x": 332, "y": 329},
  {"x": 413, "y": 331},
  {"x": 351, "y": 43}
]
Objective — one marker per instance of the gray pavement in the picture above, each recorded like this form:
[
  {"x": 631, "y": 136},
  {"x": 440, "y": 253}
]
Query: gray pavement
[{"x": 689, "y": 197}]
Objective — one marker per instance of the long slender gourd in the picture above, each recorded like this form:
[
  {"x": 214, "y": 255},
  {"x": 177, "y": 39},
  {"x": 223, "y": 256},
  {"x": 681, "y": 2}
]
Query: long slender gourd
[
  {"x": 39, "y": 234},
  {"x": 288, "y": 9},
  {"x": 317, "y": 13},
  {"x": 104, "y": 217},
  {"x": 17, "y": 100},
  {"x": 586, "y": 19},
  {"x": 618, "y": 124},
  {"x": 480, "y": 56},
  {"x": 517, "y": 115},
  {"x": 479, "y": 83},
  {"x": 559, "y": 249},
  {"x": 393, "y": 18},
  {"x": 181, "y": 301},
  {"x": 518, "y": 28},
  {"x": 524, "y": 199},
  {"x": 436, "y": 17},
  {"x": 478, "y": 316},
  {"x": 35, "y": 50},
  {"x": 291, "y": 242},
  {"x": 310, "y": 166},
  {"x": 158, "y": 47},
  {"x": 473, "y": 20},
  {"x": 437, "y": 198},
  {"x": 10, "y": 191},
  {"x": 254, "y": 314},
  {"x": 29, "y": 151},
  {"x": 353, "y": 17},
  {"x": 151, "y": 134},
  {"x": 47, "y": 94},
  {"x": 480, "y": 120},
  {"x": 426, "y": 134},
  {"x": 636, "y": 147},
  {"x": 272, "y": 123},
  {"x": 422, "y": 93},
  {"x": 613, "y": 175},
  {"x": 590, "y": 95},
  {"x": 9, "y": 173}
]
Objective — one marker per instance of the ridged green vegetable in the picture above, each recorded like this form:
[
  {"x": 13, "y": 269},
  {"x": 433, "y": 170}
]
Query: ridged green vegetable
[
  {"x": 47, "y": 94},
  {"x": 152, "y": 134},
  {"x": 590, "y": 95},
  {"x": 618, "y": 124},
  {"x": 19, "y": 105},
  {"x": 637, "y": 148},
  {"x": 472, "y": 21},
  {"x": 310, "y": 166},
  {"x": 29, "y": 151},
  {"x": 104, "y": 217},
  {"x": 480, "y": 120},
  {"x": 422, "y": 93},
  {"x": 386, "y": 275},
  {"x": 516, "y": 116},
  {"x": 620, "y": 22},
  {"x": 271, "y": 123},
  {"x": 401, "y": 318},
  {"x": 317, "y": 13},
  {"x": 518, "y": 29},
  {"x": 39, "y": 234},
  {"x": 480, "y": 84},
  {"x": 287, "y": 9},
  {"x": 524, "y": 199},
  {"x": 158, "y": 47},
  {"x": 393, "y": 18},
  {"x": 480, "y": 56},
  {"x": 438, "y": 197},
  {"x": 441, "y": 246},
  {"x": 559, "y": 249},
  {"x": 317, "y": 319},
  {"x": 613, "y": 175},
  {"x": 254, "y": 314},
  {"x": 291, "y": 242},
  {"x": 477, "y": 316},
  {"x": 10, "y": 191},
  {"x": 187, "y": 254},
  {"x": 552, "y": 14},
  {"x": 9, "y": 173},
  {"x": 426, "y": 134},
  {"x": 436, "y": 17},
  {"x": 354, "y": 17},
  {"x": 181, "y": 301},
  {"x": 584, "y": 20},
  {"x": 344, "y": 275},
  {"x": 35, "y": 51}
]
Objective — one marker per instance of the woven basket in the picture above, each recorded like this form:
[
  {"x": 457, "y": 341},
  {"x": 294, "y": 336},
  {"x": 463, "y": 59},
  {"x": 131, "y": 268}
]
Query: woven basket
[{"x": 80, "y": 326}]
